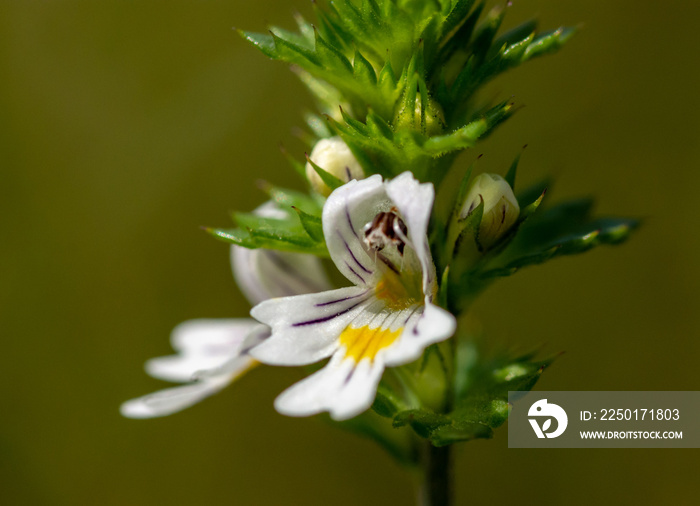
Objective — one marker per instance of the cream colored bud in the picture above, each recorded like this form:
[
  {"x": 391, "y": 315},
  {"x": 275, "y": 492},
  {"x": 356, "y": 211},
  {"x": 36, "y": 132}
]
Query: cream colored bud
[
  {"x": 335, "y": 157},
  {"x": 501, "y": 209}
]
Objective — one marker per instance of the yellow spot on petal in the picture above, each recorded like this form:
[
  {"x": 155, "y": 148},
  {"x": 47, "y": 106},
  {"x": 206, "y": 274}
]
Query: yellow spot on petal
[{"x": 365, "y": 342}]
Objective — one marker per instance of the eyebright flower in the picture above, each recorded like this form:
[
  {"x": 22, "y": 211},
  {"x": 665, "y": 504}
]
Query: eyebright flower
[
  {"x": 501, "y": 209},
  {"x": 335, "y": 157},
  {"x": 212, "y": 353},
  {"x": 376, "y": 233}
]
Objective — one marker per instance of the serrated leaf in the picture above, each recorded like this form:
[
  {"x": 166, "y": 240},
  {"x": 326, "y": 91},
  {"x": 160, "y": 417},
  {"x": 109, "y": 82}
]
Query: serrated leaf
[
  {"x": 512, "y": 172},
  {"x": 363, "y": 70},
  {"x": 468, "y": 228},
  {"x": 565, "y": 229},
  {"x": 422, "y": 421},
  {"x": 459, "y": 432},
  {"x": 485, "y": 32},
  {"x": 293, "y": 53},
  {"x": 457, "y": 16},
  {"x": 548, "y": 42},
  {"x": 530, "y": 209},
  {"x": 286, "y": 199},
  {"x": 293, "y": 38},
  {"x": 331, "y": 58},
  {"x": 482, "y": 386},
  {"x": 387, "y": 404},
  {"x": 515, "y": 35},
  {"x": 312, "y": 225},
  {"x": 271, "y": 233},
  {"x": 533, "y": 192},
  {"x": 467, "y": 136},
  {"x": 233, "y": 236},
  {"x": 387, "y": 79},
  {"x": 263, "y": 42},
  {"x": 328, "y": 179}
]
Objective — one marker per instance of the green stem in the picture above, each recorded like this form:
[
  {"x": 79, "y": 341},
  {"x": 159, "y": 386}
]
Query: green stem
[{"x": 436, "y": 489}]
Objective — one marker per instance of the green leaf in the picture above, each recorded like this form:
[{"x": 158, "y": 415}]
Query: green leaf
[
  {"x": 529, "y": 210},
  {"x": 533, "y": 192},
  {"x": 271, "y": 233},
  {"x": 331, "y": 58},
  {"x": 460, "y": 39},
  {"x": 423, "y": 421},
  {"x": 329, "y": 179},
  {"x": 457, "y": 15},
  {"x": 293, "y": 53},
  {"x": 287, "y": 199},
  {"x": 387, "y": 403},
  {"x": 480, "y": 395},
  {"x": 467, "y": 136},
  {"x": 312, "y": 225},
  {"x": 363, "y": 70},
  {"x": 512, "y": 172},
  {"x": 548, "y": 42},
  {"x": 565, "y": 229},
  {"x": 233, "y": 236},
  {"x": 515, "y": 35},
  {"x": 468, "y": 228},
  {"x": 263, "y": 42}
]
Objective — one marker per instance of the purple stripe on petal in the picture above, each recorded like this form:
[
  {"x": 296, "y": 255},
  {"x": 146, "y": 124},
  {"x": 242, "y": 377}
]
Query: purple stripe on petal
[
  {"x": 410, "y": 315},
  {"x": 355, "y": 273},
  {"x": 347, "y": 247},
  {"x": 347, "y": 217},
  {"x": 415, "y": 327},
  {"x": 388, "y": 263},
  {"x": 342, "y": 300},
  {"x": 293, "y": 271},
  {"x": 326, "y": 318}
]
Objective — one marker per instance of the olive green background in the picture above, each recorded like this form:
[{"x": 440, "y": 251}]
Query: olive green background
[{"x": 125, "y": 125}]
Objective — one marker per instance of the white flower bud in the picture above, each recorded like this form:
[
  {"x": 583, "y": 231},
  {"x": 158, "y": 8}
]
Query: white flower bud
[
  {"x": 501, "y": 209},
  {"x": 335, "y": 157}
]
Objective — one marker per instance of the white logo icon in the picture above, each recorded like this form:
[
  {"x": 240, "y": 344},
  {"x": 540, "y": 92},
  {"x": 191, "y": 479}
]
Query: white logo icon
[{"x": 542, "y": 409}]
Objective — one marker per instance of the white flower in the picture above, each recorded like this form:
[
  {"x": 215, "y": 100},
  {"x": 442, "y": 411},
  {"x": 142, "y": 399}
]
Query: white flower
[
  {"x": 212, "y": 353},
  {"x": 335, "y": 157},
  {"x": 376, "y": 234},
  {"x": 501, "y": 209}
]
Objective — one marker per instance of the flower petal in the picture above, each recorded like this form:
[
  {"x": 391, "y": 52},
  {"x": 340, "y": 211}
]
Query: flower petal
[
  {"x": 242, "y": 361},
  {"x": 305, "y": 328},
  {"x": 171, "y": 400},
  {"x": 203, "y": 344},
  {"x": 342, "y": 388},
  {"x": 345, "y": 214},
  {"x": 421, "y": 329},
  {"x": 415, "y": 202},
  {"x": 264, "y": 274}
]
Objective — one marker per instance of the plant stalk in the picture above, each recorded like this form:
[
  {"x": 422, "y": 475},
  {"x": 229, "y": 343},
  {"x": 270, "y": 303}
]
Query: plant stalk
[{"x": 436, "y": 489}]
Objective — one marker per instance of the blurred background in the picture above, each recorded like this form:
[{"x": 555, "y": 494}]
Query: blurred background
[{"x": 124, "y": 126}]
